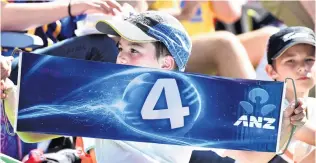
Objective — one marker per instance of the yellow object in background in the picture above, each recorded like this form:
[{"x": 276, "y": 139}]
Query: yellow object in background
[{"x": 203, "y": 20}]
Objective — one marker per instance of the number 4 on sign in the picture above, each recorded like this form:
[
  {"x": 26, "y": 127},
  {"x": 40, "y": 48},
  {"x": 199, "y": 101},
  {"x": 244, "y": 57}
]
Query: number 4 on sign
[{"x": 175, "y": 112}]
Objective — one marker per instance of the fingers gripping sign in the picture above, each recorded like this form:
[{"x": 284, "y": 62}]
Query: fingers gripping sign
[{"x": 294, "y": 117}]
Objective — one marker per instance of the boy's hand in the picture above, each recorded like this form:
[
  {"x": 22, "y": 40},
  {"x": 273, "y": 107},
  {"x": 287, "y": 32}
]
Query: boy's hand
[
  {"x": 292, "y": 116},
  {"x": 5, "y": 85},
  {"x": 295, "y": 115},
  {"x": 5, "y": 66}
]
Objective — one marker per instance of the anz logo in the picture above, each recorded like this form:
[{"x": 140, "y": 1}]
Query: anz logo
[{"x": 253, "y": 121}]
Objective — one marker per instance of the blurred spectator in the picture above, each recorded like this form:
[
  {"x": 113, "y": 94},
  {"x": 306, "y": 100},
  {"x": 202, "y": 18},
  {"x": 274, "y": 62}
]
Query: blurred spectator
[
  {"x": 214, "y": 51},
  {"x": 293, "y": 13}
]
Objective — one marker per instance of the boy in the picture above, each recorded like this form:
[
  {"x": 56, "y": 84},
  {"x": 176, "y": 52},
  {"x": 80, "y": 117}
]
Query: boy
[
  {"x": 156, "y": 39},
  {"x": 291, "y": 54}
]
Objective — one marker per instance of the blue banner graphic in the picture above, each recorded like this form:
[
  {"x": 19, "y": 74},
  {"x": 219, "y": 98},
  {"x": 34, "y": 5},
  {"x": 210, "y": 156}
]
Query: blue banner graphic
[{"x": 103, "y": 100}]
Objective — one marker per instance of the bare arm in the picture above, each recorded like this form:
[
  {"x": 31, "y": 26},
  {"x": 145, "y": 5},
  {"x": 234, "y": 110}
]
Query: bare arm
[
  {"x": 307, "y": 134},
  {"x": 23, "y": 16},
  {"x": 228, "y": 11}
]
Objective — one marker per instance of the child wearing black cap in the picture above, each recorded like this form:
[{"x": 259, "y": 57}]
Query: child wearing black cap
[{"x": 291, "y": 54}]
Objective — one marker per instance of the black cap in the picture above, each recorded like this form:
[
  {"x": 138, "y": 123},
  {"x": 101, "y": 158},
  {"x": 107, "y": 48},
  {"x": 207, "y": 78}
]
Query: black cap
[{"x": 286, "y": 38}]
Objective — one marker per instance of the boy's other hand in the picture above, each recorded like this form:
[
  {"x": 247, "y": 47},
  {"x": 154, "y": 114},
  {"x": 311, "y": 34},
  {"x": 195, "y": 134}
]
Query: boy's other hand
[
  {"x": 5, "y": 85},
  {"x": 5, "y": 66}
]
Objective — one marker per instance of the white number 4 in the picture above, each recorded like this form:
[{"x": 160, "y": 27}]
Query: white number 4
[{"x": 175, "y": 112}]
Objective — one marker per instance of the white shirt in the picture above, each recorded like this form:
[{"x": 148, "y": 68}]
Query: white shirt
[
  {"x": 299, "y": 148},
  {"x": 114, "y": 151}
]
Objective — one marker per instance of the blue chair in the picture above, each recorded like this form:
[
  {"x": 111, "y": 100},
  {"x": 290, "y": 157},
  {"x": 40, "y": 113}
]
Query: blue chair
[{"x": 11, "y": 40}]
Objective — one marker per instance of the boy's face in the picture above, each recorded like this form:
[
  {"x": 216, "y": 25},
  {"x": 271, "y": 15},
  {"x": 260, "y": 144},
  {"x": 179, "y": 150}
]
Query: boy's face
[
  {"x": 137, "y": 54},
  {"x": 141, "y": 54},
  {"x": 298, "y": 63}
]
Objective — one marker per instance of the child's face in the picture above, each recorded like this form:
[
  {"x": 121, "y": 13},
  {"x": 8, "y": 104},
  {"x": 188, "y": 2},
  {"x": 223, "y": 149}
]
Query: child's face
[
  {"x": 298, "y": 63},
  {"x": 137, "y": 54}
]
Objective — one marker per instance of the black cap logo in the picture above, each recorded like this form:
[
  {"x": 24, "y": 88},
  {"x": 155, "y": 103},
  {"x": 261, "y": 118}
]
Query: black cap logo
[{"x": 294, "y": 35}]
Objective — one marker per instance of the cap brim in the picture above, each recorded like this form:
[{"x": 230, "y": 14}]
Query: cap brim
[
  {"x": 290, "y": 45},
  {"x": 124, "y": 29}
]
